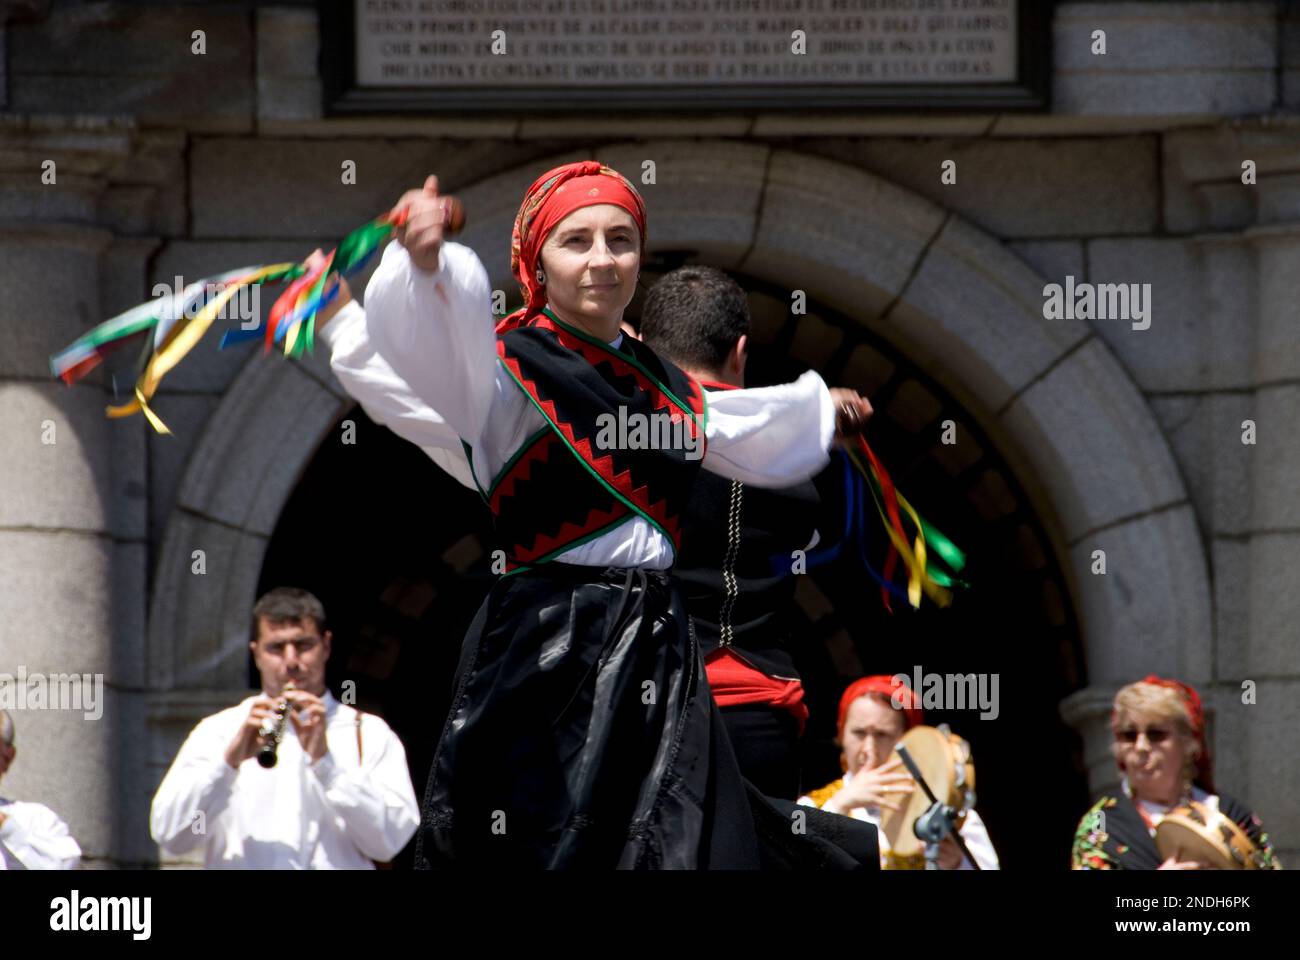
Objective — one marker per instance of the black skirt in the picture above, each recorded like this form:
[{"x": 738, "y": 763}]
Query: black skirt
[{"x": 582, "y": 735}]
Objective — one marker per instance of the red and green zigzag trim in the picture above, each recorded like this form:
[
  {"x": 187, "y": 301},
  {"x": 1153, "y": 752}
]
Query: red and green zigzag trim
[
  {"x": 537, "y": 450},
  {"x": 620, "y": 484}
]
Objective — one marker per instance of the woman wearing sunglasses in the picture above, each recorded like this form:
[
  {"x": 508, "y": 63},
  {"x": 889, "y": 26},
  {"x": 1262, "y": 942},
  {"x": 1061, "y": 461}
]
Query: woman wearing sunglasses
[{"x": 1160, "y": 748}]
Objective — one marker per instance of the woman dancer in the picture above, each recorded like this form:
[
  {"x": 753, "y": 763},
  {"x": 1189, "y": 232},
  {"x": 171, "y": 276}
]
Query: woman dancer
[{"x": 582, "y": 732}]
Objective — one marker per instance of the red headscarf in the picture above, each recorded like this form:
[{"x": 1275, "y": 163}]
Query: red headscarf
[
  {"x": 552, "y": 197},
  {"x": 1196, "y": 718},
  {"x": 899, "y": 692}
]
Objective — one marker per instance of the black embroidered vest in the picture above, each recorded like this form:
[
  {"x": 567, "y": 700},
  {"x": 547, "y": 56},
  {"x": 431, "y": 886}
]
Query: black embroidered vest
[{"x": 624, "y": 437}]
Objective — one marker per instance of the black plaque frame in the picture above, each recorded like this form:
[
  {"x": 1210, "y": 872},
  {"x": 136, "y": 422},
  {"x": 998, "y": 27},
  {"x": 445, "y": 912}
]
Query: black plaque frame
[{"x": 1029, "y": 92}]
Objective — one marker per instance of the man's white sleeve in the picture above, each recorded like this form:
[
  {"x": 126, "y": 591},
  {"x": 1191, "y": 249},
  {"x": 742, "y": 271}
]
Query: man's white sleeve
[
  {"x": 199, "y": 782},
  {"x": 376, "y": 802},
  {"x": 770, "y": 436}
]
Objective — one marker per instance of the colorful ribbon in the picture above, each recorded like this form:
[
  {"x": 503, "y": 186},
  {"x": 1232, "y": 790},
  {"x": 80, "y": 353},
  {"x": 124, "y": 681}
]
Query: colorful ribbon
[
  {"x": 928, "y": 548},
  {"x": 180, "y": 319},
  {"x": 864, "y": 478}
]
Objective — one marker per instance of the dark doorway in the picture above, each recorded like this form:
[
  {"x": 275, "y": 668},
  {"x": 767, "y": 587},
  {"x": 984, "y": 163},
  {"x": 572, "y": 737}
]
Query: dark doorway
[{"x": 399, "y": 554}]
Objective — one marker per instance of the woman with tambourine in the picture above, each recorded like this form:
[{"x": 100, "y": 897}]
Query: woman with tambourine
[
  {"x": 1167, "y": 815},
  {"x": 876, "y": 715}
]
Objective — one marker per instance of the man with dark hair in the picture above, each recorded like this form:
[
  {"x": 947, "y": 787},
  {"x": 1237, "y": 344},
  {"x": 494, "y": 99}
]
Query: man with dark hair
[
  {"x": 699, "y": 316},
  {"x": 338, "y": 794},
  {"x": 32, "y": 837},
  {"x": 287, "y": 605},
  {"x": 740, "y": 544}
]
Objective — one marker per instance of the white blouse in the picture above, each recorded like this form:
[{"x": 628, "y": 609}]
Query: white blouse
[
  {"x": 385, "y": 397},
  {"x": 426, "y": 366}
]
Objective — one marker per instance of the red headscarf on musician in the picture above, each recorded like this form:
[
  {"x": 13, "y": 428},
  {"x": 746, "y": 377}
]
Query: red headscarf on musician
[
  {"x": 1196, "y": 718},
  {"x": 552, "y": 197},
  {"x": 900, "y": 693}
]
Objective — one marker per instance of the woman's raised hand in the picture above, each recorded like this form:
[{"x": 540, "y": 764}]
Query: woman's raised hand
[{"x": 421, "y": 230}]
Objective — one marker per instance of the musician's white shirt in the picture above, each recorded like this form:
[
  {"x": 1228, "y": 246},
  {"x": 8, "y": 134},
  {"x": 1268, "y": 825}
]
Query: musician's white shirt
[
  {"x": 335, "y": 814},
  {"x": 34, "y": 838},
  {"x": 973, "y": 833}
]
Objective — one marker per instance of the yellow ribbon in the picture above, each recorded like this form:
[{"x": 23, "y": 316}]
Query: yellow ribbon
[
  {"x": 298, "y": 329},
  {"x": 918, "y": 580},
  {"x": 180, "y": 340}
]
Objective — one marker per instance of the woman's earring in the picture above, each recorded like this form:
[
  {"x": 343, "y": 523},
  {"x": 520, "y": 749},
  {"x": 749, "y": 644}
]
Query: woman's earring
[{"x": 541, "y": 276}]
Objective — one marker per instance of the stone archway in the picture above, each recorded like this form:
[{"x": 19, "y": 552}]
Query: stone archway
[
  {"x": 1066, "y": 415},
  {"x": 241, "y": 472}
]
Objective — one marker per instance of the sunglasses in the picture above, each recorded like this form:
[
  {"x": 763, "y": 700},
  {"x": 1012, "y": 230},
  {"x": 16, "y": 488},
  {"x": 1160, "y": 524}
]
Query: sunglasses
[{"x": 1155, "y": 735}]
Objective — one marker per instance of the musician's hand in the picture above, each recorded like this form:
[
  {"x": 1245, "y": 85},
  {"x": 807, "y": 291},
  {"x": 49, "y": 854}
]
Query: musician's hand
[
  {"x": 326, "y": 313},
  {"x": 422, "y": 233},
  {"x": 950, "y": 855},
  {"x": 308, "y": 718},
  {"x": 886, "y": 787},
  {"x": 852, "y": 411},
  {"x": 248, "y": 740},
  {"x": 1172, "y": 864}
]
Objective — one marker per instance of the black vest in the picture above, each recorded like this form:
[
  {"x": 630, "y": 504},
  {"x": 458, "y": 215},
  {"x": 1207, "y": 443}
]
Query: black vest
[
  {"x": 737, "y": 560},
  {"x": 578, "y": 477}
]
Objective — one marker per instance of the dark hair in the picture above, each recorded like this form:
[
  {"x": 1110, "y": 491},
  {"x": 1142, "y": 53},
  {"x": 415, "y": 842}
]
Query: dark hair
[
  {"x": 287, "y": 605},
  {"x": 693, "y": 316}
]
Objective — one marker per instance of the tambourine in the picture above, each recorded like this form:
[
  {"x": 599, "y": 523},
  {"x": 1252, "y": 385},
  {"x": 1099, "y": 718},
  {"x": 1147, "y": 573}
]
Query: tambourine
[
  {"x": 1194, "y": 831},
  {"x": 944, "y": 759}
]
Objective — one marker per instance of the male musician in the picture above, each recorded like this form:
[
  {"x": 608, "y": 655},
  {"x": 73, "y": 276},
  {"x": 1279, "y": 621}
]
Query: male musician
[
  {"x": 874, "y": 714},
  {"x": 32, "y": 837},
  {"x": 339, "y": 795}
]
